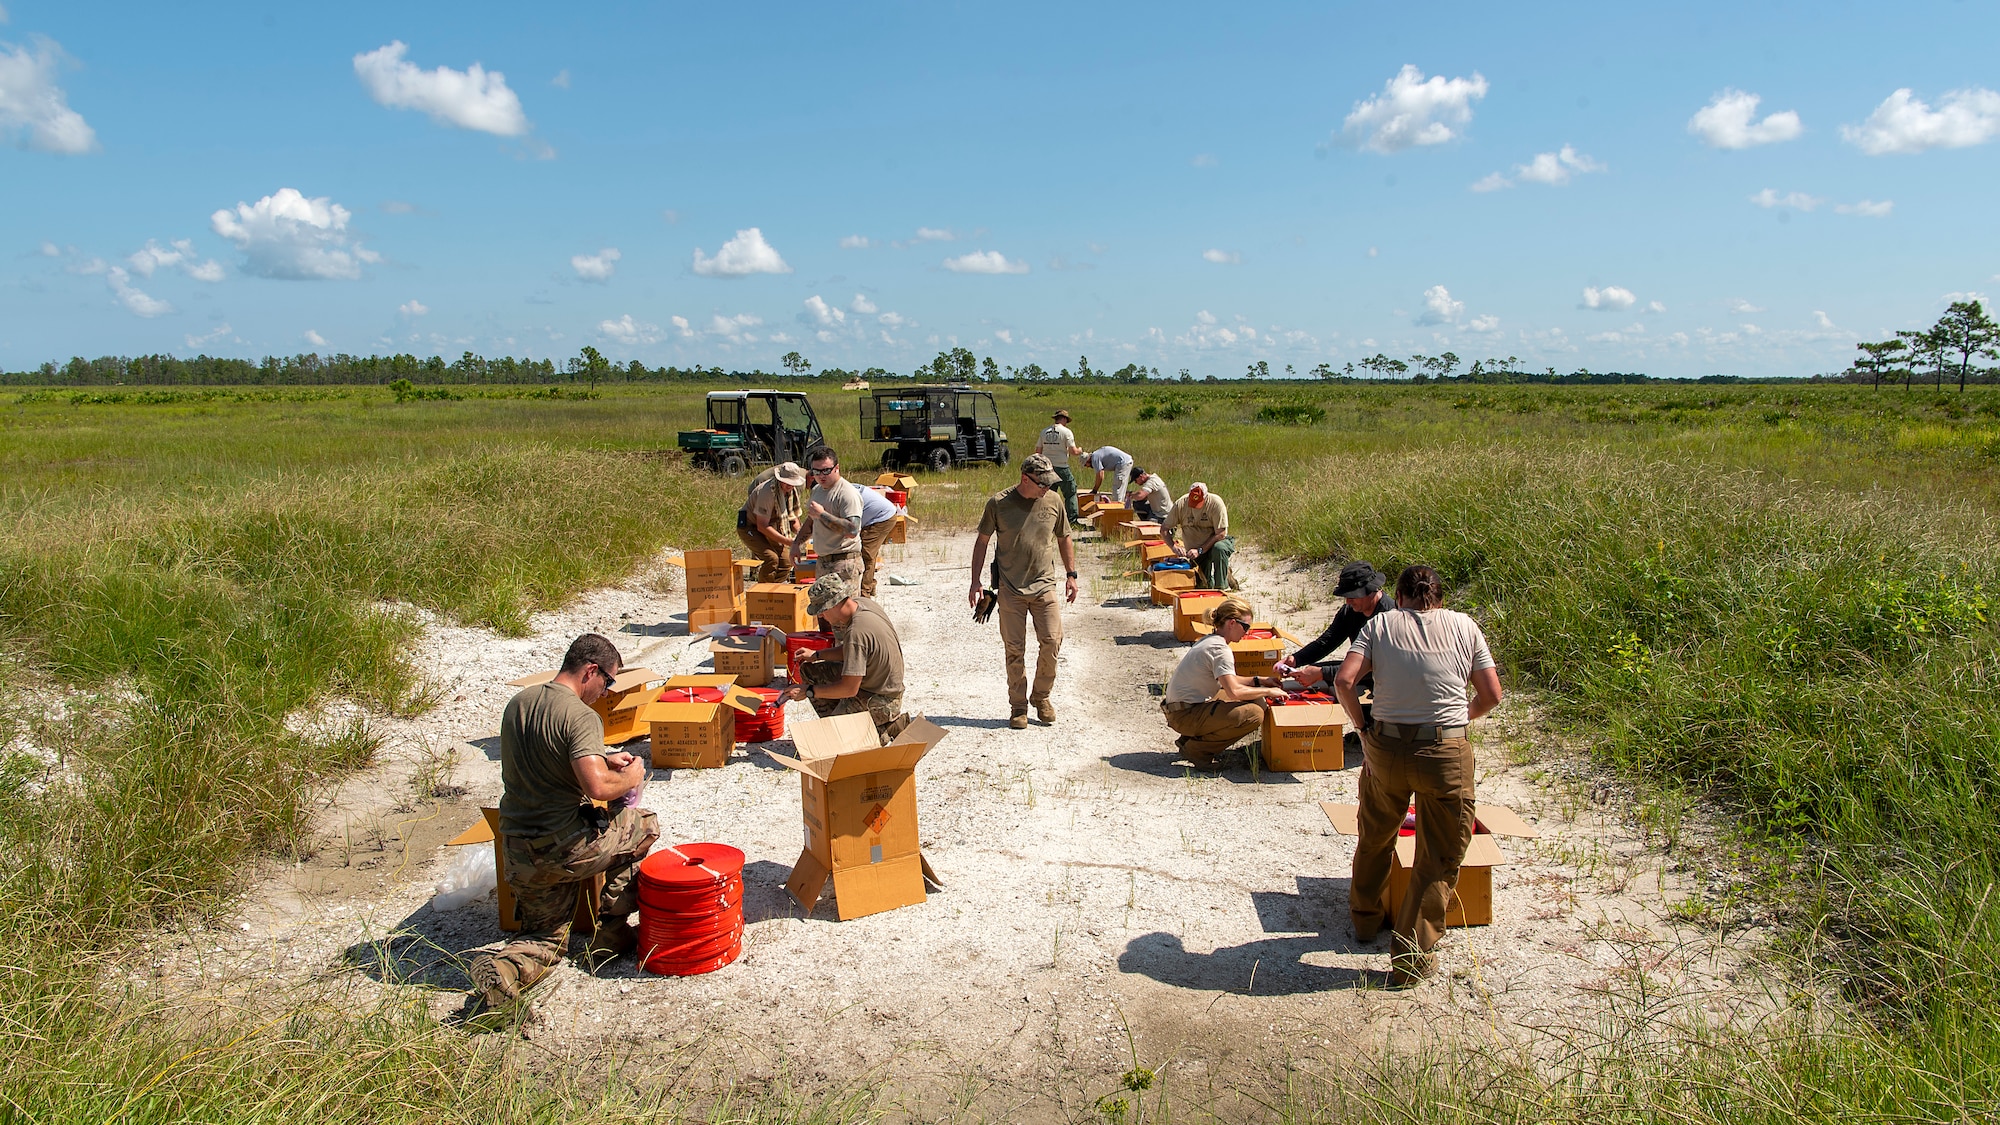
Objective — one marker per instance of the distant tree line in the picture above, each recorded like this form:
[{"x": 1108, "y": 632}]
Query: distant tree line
[
  {"x": 955, "y": 365},
  {"x": 1945, "y": 350}
]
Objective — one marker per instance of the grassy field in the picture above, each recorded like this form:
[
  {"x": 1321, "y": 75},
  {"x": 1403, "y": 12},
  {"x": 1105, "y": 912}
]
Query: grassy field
[{"x": 1775, "y": 600}]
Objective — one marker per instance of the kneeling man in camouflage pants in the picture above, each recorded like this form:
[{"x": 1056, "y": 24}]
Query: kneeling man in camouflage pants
[
  {"x": 863, "y": 671},
  {"x": 553, "y": 762}
]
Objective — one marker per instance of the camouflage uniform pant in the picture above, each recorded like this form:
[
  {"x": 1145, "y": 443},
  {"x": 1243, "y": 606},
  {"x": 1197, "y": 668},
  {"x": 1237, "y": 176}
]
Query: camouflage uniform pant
[
  {"x": 848, "y": 566},
  {"x": 546, "y": 881},
  {"x": 884, "y": 709}
]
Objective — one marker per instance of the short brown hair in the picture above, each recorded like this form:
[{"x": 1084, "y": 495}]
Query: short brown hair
[
  {"x": 592, "y": 649},
  {"x": 1228, "y": 608},
  {"x": 1420, "y": 586},
  {"x": 823, "y": 453}
]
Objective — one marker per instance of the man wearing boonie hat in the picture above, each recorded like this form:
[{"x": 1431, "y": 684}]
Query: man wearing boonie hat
[
  {"x": 1058, "y": 444},
  {"x": 1360, "y": 586},
  {"x": 863, "y": 672},
  {"x": 1026, "y": 530},
  {"x": 769, "y": 518}
]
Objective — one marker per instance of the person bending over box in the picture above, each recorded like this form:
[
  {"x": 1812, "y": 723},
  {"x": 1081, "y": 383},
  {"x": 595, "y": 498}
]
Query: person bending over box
[
  {"x": 863, "y": 671},
  {"x": 1207, "y": 703}
]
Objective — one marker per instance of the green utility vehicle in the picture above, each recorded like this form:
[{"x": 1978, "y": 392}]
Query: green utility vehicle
[
  {"x": 934, "y": 426},
  {"x": 751, "y": 428}
]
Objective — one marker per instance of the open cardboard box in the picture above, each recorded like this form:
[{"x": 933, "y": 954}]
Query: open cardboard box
[
  {"x": 1472, "y": 905},
  {"x": 1191, "y": 612},
  {"x": 1151, "y": 550},
  {"x": 781, "y": 605},
  {"x": 695, "y": 734},
  {"x": 714, "y": 587},
  {"x": 1304, "y": 737},
  {"x": 1110, "y": 518},
  {"x": 488, "y": 828},
  {"x": 619, "y": 707},
  {"x": 899, "y": 532},
  {"x": 901, "y": 482},
  {"x": 859, "y": 802},
  {"x": 1168, "y": 583},
  {"x": 1258, "y": 654},
  {"x": 749, "y": 656}
]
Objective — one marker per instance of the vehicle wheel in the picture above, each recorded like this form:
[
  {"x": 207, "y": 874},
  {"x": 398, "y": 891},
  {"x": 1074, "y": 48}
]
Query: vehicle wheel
[
  {"x": 731, "y": 465},
  {"x": 1004, "y": 457},
  {"x": 939, "y": 459},
  {"x": 892, "y": 458}
]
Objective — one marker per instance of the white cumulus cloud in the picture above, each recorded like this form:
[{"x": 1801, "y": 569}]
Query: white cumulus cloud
[
  {"x": 315, "y": 339},
  {"x": 1552, "y": 168},
  {"x": 1611, "y": 298},
  {"x": 181, "y": 254},
  {"x": 856, "y": 242},
  {"x": 820, "y": 313},
  {"x": 741, "y": 256},
  {"x": 1221, "y": 257},
  {"x": 1903, "y": 123},
  {"x": 1439, "y": 307},
  {"x": 630, "y": 332},
  {"x": 861, "y": 304},
  {"x": 681, "y": 326},
  {"x": 219, "y": 331},
  {"x": 473, "y": 98},
  {"x": 596, "y": 267},
  {"x": 33, "y": 106},
  {"x": 1796, "y": 200},
  {"x": 1487, "y": 323},
  {"x": 413, "y": 307},
  {"x": 985, "y": 261},
  {"x": 1413, "y": 111},
  {"x": 292, "y": 238},
  {"x": 1729, "y": 121},
  {"x": 1867, "y": 208},
  {"x": 734, "y": 329},
  {"x": 935, "y": 234},
  {"x": 135, "y": 301}
]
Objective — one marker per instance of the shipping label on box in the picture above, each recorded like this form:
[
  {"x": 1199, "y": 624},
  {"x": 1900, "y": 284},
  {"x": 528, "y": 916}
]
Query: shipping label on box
[
  {"x": 1472, "y": 902},
  {"x": 1304, "y": 737},
  {"x": 1191, "y": 613},
  {"x": 781, "y": 605},
  {"x": 748, "y": 653},
  {"x": 858, "y": 801},
  {"x": 700, "y": 619},
  {"x": 693, "y": 723}
]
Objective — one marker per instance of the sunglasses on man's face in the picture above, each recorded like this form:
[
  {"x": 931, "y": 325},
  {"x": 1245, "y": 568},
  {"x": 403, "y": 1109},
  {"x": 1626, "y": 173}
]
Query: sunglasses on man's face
[
  {"x": 610, "y": 677},
  {"x": 825, "y": 471}
]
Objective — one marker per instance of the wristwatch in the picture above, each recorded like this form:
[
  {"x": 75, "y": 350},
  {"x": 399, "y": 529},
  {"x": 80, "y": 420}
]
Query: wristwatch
[{"x": 1072, "y": 574}]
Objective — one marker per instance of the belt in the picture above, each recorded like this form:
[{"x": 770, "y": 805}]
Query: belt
[
  {"x": 1419, "y": 732},
  {"x": 841, "y": 555},
  {"x": 1177, "y": 708},
  {"x": 553, "y": 839}
]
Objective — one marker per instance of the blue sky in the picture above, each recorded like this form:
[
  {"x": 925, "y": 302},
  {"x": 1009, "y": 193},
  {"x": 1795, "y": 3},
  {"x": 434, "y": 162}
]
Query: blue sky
[{"x": 1174, "y": 185}]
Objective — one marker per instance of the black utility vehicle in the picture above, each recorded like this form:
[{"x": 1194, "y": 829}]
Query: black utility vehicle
[
  {"x": 933, "y": 426},
  {"x": 751, "y": 428}
]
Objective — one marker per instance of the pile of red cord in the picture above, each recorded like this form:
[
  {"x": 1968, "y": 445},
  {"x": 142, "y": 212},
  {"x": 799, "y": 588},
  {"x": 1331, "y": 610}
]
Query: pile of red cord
[
  {"x": 797, "y": 645},
  {"x": 690, "y": 909},
  {"x": 768, "y": 724}
]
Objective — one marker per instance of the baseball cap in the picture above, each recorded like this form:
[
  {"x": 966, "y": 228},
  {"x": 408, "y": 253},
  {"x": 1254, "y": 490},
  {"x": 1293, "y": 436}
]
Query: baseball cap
[
  {"x": 1039, "y": 469},
  {"x": 827, "y": 591}
]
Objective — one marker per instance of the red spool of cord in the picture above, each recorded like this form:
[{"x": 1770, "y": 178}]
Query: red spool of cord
[
  {"x": 690, "y": 909},
  {"x": 768, "y": 724},
  {"x": 797, "y": 645}
]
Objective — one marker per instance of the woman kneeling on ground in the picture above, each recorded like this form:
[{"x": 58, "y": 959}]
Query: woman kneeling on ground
[{"x": 1207, "y": 703}]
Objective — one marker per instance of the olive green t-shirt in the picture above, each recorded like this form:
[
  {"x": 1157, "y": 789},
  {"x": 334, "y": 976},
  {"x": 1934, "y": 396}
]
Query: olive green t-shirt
[
  {"x": 869, "y": 648},
  {"x": 541, "y": 731},
  {"x": 1026, "y": 534},
  {"x": 1197, "y": 525}
]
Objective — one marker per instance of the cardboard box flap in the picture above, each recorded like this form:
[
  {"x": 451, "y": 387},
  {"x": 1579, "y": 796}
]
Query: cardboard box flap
[
  {"x": 827, "y": 738},
  {"x": 635, "y": 700},
  {"x": 1503, "y": 821},
  {"x": 741, "y": 698},
  {"x": 1342, "y": 817},
  {"x": 700, "y": 679},
  {"x": 1327, "y": 715},
  {"x": 630, "y": 678},
  {"x": 480, "y": 832},
  {"x": 533, "y": 679},
  {"x": 844, "y": 746},
  {"x": 660, "y": 711},
  {"x": 908, "y": 518},
  {"x": 1481, "y": 852}
]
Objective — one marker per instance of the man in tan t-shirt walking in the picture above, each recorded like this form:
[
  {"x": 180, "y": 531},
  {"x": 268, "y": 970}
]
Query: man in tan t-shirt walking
[
  {"x": 1032, "y": 532},
  {"x": 769, "y": 519}
]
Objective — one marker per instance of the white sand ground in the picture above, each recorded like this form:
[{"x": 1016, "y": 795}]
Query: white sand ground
[{"x": 1094, "y": 886}]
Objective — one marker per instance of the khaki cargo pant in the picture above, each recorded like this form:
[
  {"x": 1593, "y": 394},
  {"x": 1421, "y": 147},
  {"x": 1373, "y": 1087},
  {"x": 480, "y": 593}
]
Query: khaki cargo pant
[
  {"x": 872, "y": 539},
  {"x": 1438, "y": 772},
  {"x": 776, "y": 561},
  {"x": 1014, "y": 612},
  {"x": 884, "y": 709},
  {"x": 546, "y": 880},
  {"x": 1207, "y": 729}
]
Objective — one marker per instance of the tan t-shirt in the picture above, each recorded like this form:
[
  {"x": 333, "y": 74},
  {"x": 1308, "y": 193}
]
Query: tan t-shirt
[
  {"x": 1198, "y": 677},
  {"x": 1025, "y": 540},
  {"x": 1197, "y": 525},
  {"x": 1422, "y": 660},
  {"x": 1055, "y": 443},
  {"x": 869, "y": 648},
  {"x": 839, "y": 530},
  {"x": 1154, "y": 492},
  {"x": 769, "y": 499},
  {"x": 541, "y": 731}
]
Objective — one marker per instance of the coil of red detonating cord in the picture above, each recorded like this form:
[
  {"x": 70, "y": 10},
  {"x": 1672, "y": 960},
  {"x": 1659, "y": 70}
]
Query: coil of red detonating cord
[
  {"x": 690, "y": 909},
  {"x": 768, "y": 724},
  {"x": 797, "y": 645},
  {"x": 1302, "y": 698}
]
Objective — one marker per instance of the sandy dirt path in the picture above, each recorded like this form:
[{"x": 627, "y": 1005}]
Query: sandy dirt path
[{"x": 1095, "y": 887}]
